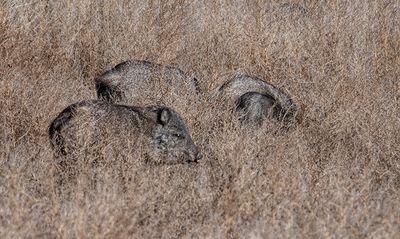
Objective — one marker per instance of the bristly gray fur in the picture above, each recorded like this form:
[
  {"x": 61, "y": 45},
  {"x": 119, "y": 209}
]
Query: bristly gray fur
[
  {"x": 254, "y": 107},
  {"x": 136, "y": 82},
  {"x": 164, "y": 134},
  {"x": 254, "y": 98}
]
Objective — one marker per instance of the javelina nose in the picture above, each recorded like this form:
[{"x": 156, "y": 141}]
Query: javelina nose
[{"x": 197, "y": 155}]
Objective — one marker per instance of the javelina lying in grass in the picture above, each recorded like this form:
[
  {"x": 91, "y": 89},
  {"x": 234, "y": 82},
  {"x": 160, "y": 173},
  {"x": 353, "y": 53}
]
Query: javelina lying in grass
[
  {"x": 139, "y": 82},
  {"x": 256, "y": 100},
  {"x": 159, "y": 132}
]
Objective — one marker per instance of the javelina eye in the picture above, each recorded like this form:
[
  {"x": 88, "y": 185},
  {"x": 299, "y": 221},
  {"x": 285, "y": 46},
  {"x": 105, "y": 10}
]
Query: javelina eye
[{"x": 178, "y": 135}]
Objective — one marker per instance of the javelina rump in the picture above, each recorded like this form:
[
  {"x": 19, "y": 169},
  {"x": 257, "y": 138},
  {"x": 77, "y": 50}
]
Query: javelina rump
[{"x": 254, "y": 98}]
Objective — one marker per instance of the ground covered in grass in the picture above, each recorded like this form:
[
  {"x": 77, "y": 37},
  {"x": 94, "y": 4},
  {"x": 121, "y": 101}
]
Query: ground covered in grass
[{"x": 336, "y": 174}]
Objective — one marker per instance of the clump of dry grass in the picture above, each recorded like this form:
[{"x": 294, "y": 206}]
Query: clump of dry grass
[{"x": 336, "y": 175}]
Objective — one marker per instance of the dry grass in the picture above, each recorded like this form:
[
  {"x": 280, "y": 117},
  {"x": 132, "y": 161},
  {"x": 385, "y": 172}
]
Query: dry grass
[{"x": 336, "y": 175}]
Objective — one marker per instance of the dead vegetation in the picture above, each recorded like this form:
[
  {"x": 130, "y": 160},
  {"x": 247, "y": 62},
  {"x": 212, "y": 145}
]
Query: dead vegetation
[{"x": 337, "y": 174}]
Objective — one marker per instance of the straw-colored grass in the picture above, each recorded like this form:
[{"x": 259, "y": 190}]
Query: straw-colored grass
[{"x": 337, "y": 174}]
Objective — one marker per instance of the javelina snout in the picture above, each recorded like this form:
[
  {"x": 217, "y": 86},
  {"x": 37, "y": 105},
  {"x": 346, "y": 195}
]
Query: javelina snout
[{"x": 195, "y": 155}]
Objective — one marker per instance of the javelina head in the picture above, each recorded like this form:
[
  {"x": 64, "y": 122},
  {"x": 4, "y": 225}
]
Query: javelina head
[{"x": 171, "y": 138}]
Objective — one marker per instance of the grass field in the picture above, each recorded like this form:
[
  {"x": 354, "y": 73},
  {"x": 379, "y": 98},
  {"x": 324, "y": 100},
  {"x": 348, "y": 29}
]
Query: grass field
[{"x": 336, "y": 175}]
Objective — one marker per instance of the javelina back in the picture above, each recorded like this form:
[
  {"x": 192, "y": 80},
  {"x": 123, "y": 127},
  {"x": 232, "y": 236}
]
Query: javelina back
[
  {"x": 142, "y": 82},
  {"x": 254, "y": 98},
  {"x": 159, "y": 132}
]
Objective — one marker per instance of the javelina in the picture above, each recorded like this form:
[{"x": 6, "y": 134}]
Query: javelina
[
  {"x": 140, "y": 82},
  {"x": 254, "y": 98},
  {"x": 158, "y": 131}
]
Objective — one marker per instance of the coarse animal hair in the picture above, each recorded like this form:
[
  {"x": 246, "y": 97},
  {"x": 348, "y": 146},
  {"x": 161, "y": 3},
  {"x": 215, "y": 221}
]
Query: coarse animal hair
[
  {"x": 248, "y": 94},
  {"x": 141, "y": 82},
  {"x": 159, "y": 130}
]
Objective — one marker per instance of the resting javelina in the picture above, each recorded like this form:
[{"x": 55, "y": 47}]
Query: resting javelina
[
  {"x": 136, "y": 81},
  {"x": 159, "y": 131},
  {"x": 254, "y": 98}
]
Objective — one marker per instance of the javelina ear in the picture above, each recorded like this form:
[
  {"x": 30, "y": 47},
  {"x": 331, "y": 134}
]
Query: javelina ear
[{"x": 164, "y": 116}]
